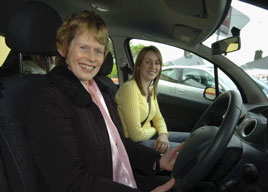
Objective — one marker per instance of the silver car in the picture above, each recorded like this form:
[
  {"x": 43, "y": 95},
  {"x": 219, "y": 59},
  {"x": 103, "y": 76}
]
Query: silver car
[{"x": 189, "y": 82}]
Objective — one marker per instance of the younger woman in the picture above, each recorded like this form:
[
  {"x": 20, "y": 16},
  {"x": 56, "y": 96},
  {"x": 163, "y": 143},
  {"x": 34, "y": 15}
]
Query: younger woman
[{"x": 138, "y": 107}]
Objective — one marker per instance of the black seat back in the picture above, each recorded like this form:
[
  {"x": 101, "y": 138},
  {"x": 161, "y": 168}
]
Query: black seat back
[
  {"x": 19, "y": 168},
  {"x": 3, "y": 180},
  {"x": 105, "y": 70},
  {"x": 31, "y": 30}
]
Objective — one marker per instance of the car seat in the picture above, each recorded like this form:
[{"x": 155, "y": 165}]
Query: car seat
[
  {"x": 105, "y": 70},
  {"x": 32, "y": 30}
]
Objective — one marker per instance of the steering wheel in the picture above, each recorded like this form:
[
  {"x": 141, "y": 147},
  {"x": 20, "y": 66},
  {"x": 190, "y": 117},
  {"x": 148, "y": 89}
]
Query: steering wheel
[{"x": 207, "y": 143}]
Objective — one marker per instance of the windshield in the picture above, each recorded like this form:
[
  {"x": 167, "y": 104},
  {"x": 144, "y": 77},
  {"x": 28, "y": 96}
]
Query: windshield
[{"x": 252, "y": 57}]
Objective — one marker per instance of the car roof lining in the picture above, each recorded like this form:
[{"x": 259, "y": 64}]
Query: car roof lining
[{"x": 184, "y": 21}]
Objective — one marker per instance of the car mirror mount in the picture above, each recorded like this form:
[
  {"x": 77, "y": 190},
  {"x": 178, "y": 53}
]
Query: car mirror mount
[{"x": 227, "y": 45}]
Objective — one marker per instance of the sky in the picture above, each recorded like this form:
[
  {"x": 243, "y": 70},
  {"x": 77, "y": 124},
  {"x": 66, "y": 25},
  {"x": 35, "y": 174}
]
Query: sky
[{"x": 254, "y": 36}]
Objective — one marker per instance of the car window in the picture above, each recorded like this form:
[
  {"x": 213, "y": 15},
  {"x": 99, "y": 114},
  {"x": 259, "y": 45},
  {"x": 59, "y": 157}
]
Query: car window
[
  {"x": 193, "y": 77},
  {"x": 170, "y": 75},
  {"x": 208, "y": 79},
  {"x": 190, "y": 72},
  {"x": 4, "y": 50}
]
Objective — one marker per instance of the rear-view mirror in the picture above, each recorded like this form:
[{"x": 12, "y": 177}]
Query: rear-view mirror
[{"x": 226, "y": 45}]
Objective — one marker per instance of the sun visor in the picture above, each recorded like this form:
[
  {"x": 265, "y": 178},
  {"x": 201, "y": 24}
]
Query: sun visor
[
  {"x": 190, "y": 7},
  {"x": 186, "y": 34}
]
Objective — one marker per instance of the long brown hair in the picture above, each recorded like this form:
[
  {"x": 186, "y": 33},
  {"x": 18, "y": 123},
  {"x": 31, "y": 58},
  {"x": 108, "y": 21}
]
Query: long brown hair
[{"x": 136, "y": 74}]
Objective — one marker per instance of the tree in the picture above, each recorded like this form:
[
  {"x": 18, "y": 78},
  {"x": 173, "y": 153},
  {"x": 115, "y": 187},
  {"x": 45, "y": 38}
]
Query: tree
[{"x": 135, "y": 49}]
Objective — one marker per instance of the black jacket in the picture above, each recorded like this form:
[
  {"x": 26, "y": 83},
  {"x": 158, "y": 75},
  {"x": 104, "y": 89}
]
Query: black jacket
[{"x": 70, "y": 140}]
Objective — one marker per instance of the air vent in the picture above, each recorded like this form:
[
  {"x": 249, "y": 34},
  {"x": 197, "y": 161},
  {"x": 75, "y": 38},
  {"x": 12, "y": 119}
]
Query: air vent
[{"x": 249, "y": 128}]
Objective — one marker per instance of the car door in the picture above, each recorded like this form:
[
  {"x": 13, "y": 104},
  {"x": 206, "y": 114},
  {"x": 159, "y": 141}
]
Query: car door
[
  {"x": 178, "y": 107},
  {"x": 182, "y": 109}
]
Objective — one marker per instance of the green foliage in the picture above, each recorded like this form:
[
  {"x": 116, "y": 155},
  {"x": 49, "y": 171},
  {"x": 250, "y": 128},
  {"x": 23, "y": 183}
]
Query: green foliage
[
  {"x": 114, "y": 70},
  {"x": 135, "y": 49}
]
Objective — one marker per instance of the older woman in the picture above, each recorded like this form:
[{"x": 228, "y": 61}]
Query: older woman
[
  {"x": 75, "y": 130},
  {"x": 138, "y": 107}
]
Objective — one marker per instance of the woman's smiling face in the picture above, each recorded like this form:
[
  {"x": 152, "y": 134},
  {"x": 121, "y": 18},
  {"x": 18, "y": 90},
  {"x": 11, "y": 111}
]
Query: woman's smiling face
[
  {"x": 85, "y": 56},
  {"x": 150, "y": 67}
]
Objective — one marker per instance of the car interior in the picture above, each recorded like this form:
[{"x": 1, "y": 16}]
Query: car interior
[{"x": 228, "y": 147}]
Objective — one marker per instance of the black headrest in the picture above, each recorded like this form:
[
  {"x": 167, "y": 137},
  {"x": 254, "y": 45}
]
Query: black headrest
[
  {"x": 107, "y": 66},
  {"x": 32, "y": 29}
]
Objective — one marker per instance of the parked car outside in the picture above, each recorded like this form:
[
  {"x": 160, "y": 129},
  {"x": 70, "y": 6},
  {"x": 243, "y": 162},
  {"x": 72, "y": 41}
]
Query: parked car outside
[{"x": 191, "y": 81}]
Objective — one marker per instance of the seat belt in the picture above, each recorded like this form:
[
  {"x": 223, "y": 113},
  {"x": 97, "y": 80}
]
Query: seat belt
[
  {"x": 126, "y": 71},
  {"x": 149, "y": 104}
]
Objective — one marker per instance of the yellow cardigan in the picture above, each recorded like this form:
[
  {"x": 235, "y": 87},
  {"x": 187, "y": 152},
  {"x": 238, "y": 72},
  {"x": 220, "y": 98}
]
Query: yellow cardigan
[{"x": 133, "y": 108}]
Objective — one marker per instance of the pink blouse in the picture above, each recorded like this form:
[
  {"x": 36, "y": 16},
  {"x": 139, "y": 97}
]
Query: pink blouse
[{"x": 122, "y": 172}]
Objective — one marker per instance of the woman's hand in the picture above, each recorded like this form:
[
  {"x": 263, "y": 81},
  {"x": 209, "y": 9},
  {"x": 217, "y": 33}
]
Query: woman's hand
[
  {"x": 166, "y": 187},
  {"x": 161, "y": 143},
  {"x": 168, "y": 160}
]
